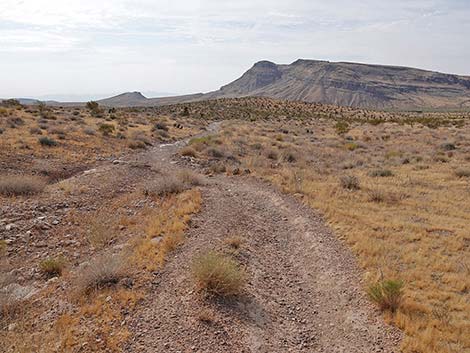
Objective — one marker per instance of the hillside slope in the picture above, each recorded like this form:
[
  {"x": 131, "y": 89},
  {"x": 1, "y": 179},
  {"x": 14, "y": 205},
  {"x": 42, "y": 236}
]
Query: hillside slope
[{"x": 350, "y": 84}]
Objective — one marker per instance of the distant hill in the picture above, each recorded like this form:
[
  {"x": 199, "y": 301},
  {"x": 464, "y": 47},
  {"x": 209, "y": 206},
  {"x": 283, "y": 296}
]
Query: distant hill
[
  {"x": 350, "y": 84},
  {"x": 132, "y": 99},
  {"x": 341, "y": 83},
  {"x": 338, "y": 83}
]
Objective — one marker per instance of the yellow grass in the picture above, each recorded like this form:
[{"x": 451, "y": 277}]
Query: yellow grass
[
  {"x": 419, "y": 234},
  {"x": 167, "y": 224}
]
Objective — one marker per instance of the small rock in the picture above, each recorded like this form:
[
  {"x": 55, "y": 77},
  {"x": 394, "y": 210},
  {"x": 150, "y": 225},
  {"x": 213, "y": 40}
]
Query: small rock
[{"x": 10, "y": 226}]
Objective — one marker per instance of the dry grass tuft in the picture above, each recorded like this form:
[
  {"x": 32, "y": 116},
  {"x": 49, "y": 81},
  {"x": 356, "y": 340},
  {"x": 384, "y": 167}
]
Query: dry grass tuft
[
  {"x": 104, "y": 271},
  {"x": 206, "y": 316},
  {"x": 189, "y": 177},
  {"x": 18, "y": 185},
  {"x": 164, "y": 187},
  {"x": 52, "y": 267},
  {"x": 462, "y": 173},
  {"x": 188, "y": 152},
  {"x": 234, "y": 242},
  {"x": 349, "y": 182},
  {"x": 218, "y": 274}
]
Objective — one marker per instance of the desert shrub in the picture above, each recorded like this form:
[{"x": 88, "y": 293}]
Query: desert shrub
[
  {"x": 188, "y": 177},
  {"x": 206, "y": 316},
  {"x": 47, "y": 141},
  {"x": 106, "y": 129},
  {"x": 387, "y": 294},
  {"x": 161, "y": 126},
  {"x": 462, "y": 173},
  {"x": 104, "y": 271},
  {"x": 137, "y": 144},
  {"x": 272, "y": 154},
  {"x": 35, "y": 131},
  {"x": 94, "y": 109},
  {"x": 448, "y": 146},
  {"x": 218, "y": 274},
  {"x": 15, "y": 185},
  {"x": 341, "y": 127},
  {"x": 217, "y": 168},
  {"x": 99, "y": 232},
  {"x": 140, "y": 136},
  {"x": 9, "y": 303},
  {"x": 165, "y": 186},
  {"x": 381, "y": 173},
  {"x": 52, "y": 267},
  {"x": 215, "y": 152},
  {"x": 349, "y": 182},
  {"x": 234, "y": 242},
  {"x": 205, "y": 140},
  {"x": 163, "y": 134},
  {"x": 188, "y": 152},
  {"x": 14, "y": 122},
  {"x": 89, "y": 131},
  {"x": 289, "y": 157},
  {"x": 440, "y": 158},
  {"x": 185, "y": 112},
  {"x": 377, "y": 196}
]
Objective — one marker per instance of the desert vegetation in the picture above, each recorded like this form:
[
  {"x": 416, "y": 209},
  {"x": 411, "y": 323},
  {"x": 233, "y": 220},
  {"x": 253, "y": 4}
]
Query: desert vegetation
[
  {"x": 398, "y": 198},
  {"x": 89, "y": 221}
]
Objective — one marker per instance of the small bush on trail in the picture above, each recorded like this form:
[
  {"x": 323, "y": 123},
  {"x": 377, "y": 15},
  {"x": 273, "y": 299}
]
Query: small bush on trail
[
  {"x": 218, "y": 274},
  {"x": 164, "y": 187}
]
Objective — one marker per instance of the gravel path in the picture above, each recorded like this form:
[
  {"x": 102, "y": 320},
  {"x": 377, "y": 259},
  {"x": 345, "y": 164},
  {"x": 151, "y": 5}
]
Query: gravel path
[{"x": 304, "y": 292}]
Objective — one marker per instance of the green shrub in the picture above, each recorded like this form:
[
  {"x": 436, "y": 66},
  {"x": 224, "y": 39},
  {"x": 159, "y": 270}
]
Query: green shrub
[
  {"x": 341, "y": 127},
  {"x": 448, "y": 146},
  {"x": 387, "y": 294},
  {"x": 381, "y": 173},
  {"x": 218, "y": 274},
  {"x": 106, "y": 129},
  {"x": 47, "y": 141}
]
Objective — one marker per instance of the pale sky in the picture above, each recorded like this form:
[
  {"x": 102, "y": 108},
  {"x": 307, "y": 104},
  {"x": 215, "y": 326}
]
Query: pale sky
[{"x": 99, "y": 47}]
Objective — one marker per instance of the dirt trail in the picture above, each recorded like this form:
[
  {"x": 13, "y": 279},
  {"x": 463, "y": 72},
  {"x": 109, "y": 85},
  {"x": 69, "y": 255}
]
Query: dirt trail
[{"x": 304, "y": 292}]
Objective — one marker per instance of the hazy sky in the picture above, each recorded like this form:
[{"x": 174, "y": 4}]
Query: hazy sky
[{"x": 183, "y": 46}]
